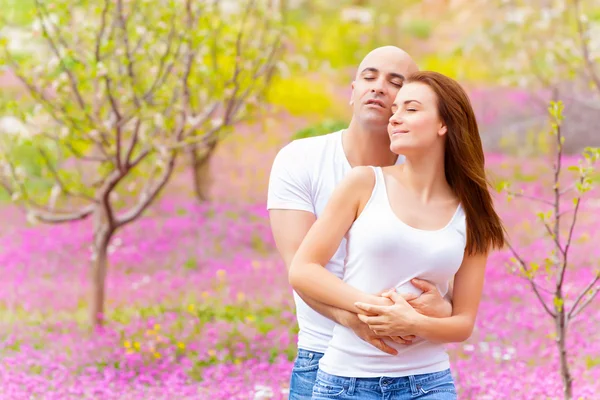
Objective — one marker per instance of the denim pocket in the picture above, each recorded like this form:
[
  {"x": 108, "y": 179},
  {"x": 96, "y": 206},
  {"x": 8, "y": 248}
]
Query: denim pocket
[
  {"x": 443, "y": 383},
  {"x": 305, "y": 362},
  {"x": 327, "y": 389}
]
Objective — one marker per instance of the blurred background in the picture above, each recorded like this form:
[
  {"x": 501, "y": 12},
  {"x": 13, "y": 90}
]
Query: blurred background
[{"x": 136, "y": 141}]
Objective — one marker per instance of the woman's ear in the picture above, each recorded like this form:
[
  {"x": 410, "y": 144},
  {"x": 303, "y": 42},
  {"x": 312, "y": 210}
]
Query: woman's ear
[{"x": 443, "y": 130}]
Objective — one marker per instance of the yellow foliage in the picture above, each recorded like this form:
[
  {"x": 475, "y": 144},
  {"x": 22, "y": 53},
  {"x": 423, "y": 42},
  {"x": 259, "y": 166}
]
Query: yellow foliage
[
  {"x": 457, "y": 67},
  {"x": 301, "y": 95}
]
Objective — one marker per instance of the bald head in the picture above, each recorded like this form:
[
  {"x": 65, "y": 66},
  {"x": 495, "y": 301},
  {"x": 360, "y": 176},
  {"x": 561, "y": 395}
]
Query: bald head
[
  {"x": 393, "y": 56},
  {"x": 380, "y": 76}
]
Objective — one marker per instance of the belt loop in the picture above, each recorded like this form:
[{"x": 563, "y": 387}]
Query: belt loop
[
  {"x": 413, "y": 384},
  {"x": 351, "y": 386}
]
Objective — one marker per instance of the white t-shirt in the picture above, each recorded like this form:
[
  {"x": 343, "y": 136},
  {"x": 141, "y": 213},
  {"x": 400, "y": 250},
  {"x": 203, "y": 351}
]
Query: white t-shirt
[
  {"x": 384, "y": 252},
  {"x": 303, "y": 177}
]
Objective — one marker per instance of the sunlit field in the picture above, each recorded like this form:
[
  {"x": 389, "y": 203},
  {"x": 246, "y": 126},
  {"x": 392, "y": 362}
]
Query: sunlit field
[{"x": 199, "y": 305}]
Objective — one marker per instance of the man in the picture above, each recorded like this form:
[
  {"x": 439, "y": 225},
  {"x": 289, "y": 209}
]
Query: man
[{"x": 303, "y": 176}]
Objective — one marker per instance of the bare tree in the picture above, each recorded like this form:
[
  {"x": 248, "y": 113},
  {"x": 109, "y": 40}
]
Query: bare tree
[
  {"x": 544, "y": 45},
  {"x": 121, "y": 90}
]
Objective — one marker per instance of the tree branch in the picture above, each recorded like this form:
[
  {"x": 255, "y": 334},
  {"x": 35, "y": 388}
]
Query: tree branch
[
  {"x": 106, "y": 189},
  {"x": 587, "y": 302},
  {"x": 148, "y": 195},
  {"x": 79, "y": 155},
  {"x": 128, "y": 56},
  {"x": 584, "y": 47},
  {"x": 143, "y": 154},
  {"x": 59, "y": 181},
  {"x": 45, "y": 215},
  {"x": 567, "y": 189},
  {"x": 570, "y": 237},
  {"x": 133, "y": 142},
  {"x": 531, "y": 281},
  {"x": 160, "y": 77},
  {"x": 72, "y": 80},
  {"x": 533, "y": 198},
  {"x": 554, "y": 238},
  {"x": 118, "y": 124},
  {"x": 557, "y": 217},
  {"x": 574, "y": 311},
  {"x": 100, "y": 35},
  {"x": 39, "y": 95},
  {"x": 189, "y": 62},
  {"x": 57, "y": 218}
]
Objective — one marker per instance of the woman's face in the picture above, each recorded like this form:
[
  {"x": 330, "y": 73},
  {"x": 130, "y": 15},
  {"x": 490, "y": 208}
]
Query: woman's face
[{"x": 415, "y": 126}]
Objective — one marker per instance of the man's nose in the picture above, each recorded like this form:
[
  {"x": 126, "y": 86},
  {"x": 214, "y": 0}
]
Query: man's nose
[{"x": 378, "y": 87}]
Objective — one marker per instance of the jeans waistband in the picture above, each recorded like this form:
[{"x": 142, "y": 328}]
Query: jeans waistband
[{"x": 390, "y": 383}]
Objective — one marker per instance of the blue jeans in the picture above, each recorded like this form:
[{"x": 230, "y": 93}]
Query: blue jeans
[
  {"x": 433, "y": 386},
  {"x": 304, "y": 374}
]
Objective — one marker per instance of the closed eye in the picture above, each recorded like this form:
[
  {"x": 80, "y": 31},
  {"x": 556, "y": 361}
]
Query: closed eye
[{"x": 410, "y": 109}]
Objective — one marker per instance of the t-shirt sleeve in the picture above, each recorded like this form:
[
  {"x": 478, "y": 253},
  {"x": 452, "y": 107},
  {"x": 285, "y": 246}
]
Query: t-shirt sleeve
[{"x": 289, "y": 182}]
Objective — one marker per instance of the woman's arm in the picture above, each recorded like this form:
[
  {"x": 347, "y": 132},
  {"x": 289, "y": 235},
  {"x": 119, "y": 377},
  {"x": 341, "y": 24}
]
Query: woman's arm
[
  {"x": 401, "y": 319},
  {"x": 307, "y": 274}
]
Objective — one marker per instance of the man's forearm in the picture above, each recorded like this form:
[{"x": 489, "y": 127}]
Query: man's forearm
[{"x": 338, "y": 315}]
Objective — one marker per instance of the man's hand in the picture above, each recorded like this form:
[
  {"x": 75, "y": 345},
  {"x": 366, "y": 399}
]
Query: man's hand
[{"x": 430, "y": 302}]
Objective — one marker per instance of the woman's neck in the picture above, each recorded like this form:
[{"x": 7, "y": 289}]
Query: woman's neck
[{"x": 425, "y": 175}]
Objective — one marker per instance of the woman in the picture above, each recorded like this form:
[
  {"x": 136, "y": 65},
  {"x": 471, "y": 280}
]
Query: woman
[{"x": 432, "y": 218}]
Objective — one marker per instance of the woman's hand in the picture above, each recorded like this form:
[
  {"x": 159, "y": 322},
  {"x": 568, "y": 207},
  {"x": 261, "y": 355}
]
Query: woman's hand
[{"x": 397, "y": 319}]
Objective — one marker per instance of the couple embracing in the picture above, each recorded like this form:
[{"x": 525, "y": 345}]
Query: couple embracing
[{"x": 385, "y": 228}]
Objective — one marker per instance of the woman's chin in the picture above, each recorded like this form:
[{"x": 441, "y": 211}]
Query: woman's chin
[{"x": 399, "y": 149}]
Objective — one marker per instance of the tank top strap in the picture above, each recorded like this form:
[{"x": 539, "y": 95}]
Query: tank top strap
[{"x": 378, "y": 194}]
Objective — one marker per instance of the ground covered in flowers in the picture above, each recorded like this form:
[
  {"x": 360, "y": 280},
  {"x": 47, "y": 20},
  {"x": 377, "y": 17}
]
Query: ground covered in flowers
[{"x": 199, "y": 308}]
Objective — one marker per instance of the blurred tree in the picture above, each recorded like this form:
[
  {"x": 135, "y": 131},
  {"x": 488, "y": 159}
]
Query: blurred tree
[
  {"x": 258, "y": 42},
  {"x": 118, "y": 90},
  {"x": 552, "y": 46},
  {"x": 321, "y": 128},
  {"x": 328, "y": 39}
]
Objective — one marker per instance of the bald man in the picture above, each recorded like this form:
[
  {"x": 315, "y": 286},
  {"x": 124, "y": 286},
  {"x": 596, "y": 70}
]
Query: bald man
[{"x": 303, "y": 176}]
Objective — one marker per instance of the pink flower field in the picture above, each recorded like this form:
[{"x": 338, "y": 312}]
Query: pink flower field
[{"x": 199, "y": 306}]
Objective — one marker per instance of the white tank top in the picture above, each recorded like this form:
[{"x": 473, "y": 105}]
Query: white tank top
[{"x": 383, "y": 252}]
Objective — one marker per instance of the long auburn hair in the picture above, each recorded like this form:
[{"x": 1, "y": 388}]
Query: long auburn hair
[{"x": 464, "y": 162}]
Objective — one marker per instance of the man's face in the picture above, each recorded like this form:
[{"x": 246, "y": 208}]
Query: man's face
[{"x": 377, "y": 82}]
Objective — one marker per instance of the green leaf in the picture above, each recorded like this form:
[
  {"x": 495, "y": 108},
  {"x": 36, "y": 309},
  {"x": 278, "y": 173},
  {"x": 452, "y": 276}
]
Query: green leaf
[{"x": 558, "y": 303}]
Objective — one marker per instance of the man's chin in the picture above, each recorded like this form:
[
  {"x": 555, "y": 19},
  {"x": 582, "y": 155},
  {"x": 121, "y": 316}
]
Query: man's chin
[{"x": 376, "y": 124}]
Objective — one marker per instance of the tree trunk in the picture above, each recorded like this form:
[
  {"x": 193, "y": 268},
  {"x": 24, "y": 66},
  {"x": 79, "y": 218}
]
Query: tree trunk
[
  {"x": 561, "y": 330},
  {"x": 102, "y": 236},
  {"x": 200, "y": 164}
]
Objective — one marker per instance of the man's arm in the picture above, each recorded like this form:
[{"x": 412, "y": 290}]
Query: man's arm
[
  {"x": 402, "y": 319},
  {"x": 289, "y": 227},
  {"x": 290, "y": 204}
]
